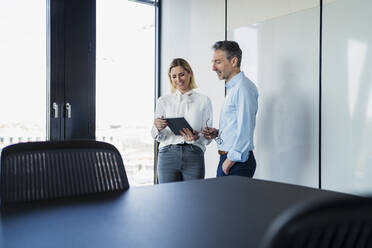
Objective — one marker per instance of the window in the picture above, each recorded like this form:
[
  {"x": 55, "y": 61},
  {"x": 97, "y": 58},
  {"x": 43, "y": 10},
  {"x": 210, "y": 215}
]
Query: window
[
  {"x": 23, "y": 70},
  {"x": 125, "y": 55}
]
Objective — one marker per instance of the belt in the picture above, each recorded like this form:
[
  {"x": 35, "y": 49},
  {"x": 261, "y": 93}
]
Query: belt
[
  {"x": 183, "y": 144},
  {"x": 222, "y": 152}
]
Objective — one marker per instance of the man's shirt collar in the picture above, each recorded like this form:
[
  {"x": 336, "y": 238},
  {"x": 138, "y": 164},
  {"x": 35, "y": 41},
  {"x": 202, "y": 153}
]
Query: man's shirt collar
[{"x": 234, "y": 80}]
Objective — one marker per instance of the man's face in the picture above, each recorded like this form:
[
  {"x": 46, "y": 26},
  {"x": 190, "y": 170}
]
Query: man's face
[{"x": 221, "y": 65}]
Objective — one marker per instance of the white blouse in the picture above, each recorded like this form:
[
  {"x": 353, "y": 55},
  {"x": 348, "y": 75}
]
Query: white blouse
[{"x": 193, "y": 106}]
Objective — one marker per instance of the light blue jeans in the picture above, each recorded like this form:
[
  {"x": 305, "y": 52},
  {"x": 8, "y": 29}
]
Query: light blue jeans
[{"x": 180, "y": 163}]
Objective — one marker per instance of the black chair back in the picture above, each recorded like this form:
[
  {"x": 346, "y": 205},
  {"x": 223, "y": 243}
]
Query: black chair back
[
  {"x": 59, "y": 169},
  {"x": 340, "y": 223}
]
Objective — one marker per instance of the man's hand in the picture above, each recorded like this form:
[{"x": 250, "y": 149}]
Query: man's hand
[
  {"x": 210, "y": 132},
  {"x": 188, "y": 135},
  {"x": 226, "y": 166},
  {"x": 160, "y": 123}
]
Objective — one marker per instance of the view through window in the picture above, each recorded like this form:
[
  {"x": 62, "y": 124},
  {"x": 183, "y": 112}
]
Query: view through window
[
  {"x": 23, "y": 71},
  {"x": 125, "y": 83}
]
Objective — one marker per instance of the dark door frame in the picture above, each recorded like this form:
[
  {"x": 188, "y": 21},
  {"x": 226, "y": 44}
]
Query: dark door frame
[{"x": 71, "y": 61}]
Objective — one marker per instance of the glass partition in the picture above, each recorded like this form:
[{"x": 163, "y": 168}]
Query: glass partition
[
  {"x": 280, "y": 44},
  {"x": 347, "y": 94}
]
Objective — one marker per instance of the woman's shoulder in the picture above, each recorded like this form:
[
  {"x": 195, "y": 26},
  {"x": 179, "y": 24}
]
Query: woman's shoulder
[{"x": 202, "y": 97}]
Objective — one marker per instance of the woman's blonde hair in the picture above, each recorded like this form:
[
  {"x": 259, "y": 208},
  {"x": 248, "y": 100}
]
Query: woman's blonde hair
[{"x": 186, "y": 66}]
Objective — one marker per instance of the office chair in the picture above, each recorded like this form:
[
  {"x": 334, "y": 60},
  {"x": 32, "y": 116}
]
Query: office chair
[
  {"x": 339, "y": 222},
  {"x": 60, "y": 169}
]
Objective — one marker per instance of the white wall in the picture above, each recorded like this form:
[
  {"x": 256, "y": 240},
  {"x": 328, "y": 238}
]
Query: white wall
[{"x": 189, "y": 29}]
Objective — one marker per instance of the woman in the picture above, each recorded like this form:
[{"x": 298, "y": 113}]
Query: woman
[{"x": 181, "y": 157}]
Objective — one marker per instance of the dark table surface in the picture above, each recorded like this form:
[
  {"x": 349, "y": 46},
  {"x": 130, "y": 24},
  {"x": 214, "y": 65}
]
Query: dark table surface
[{"x": 220, "y": 212}]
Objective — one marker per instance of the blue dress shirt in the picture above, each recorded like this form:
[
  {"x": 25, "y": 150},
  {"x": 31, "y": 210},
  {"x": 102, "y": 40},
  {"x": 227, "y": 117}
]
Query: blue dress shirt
[{"x": 238, "y": 118}]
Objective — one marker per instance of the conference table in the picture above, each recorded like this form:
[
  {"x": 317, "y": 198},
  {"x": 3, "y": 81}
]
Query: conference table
[{"x": 220, "y": 212}]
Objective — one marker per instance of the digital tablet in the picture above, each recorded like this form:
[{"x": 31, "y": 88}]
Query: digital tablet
[{"x": 176, "y": 124}]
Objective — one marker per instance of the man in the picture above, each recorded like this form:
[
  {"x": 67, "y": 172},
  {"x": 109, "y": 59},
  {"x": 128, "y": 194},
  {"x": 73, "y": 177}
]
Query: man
[{"x": 238, "y": 114}]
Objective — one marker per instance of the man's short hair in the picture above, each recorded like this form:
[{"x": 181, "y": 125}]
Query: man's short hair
[{"x": 231, "y": 48}]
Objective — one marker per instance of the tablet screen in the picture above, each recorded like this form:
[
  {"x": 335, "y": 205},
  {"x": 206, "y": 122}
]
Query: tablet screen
[{"x": 176, "y": 124}]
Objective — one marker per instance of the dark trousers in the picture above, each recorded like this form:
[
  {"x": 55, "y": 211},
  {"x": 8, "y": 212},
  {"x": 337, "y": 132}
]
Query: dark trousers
[{"x": 245, "y": 169}]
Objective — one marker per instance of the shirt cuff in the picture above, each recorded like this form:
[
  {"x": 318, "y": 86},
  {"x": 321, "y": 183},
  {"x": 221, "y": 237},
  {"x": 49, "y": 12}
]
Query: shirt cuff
[
  {"x": 234, "y": 156},
  {"x": 158, "y": 135},
  {"x": 191, "y": 142}
]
